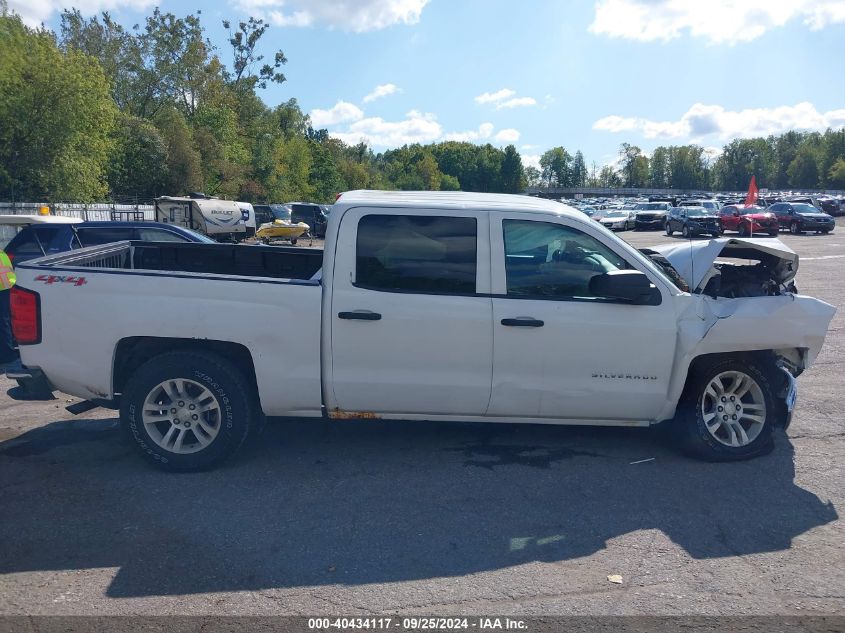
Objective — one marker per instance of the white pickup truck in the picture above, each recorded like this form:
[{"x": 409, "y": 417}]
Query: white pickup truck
[{"x": 425, "y": 306}]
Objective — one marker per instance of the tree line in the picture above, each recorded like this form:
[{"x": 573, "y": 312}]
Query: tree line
[
  {"x": 97, "y": 111},
  {"x": 793, "y": 160},
  {"x": 100, "y": 111}
]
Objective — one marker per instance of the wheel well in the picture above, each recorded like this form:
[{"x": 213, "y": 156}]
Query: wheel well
[
  {"x": 765, "y": 358},
  {"x": 135, "y": 351}
]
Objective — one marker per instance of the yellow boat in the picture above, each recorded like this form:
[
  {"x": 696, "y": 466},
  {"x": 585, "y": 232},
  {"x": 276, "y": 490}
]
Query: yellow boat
[{"x": 281, "y": 230}]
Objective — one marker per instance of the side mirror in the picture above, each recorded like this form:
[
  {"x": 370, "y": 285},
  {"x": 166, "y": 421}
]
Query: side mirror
[{"x": 626, "y": 285}]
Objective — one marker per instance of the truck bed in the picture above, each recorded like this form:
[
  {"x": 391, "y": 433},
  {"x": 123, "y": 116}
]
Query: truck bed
[{"x": 274, "y": 262}]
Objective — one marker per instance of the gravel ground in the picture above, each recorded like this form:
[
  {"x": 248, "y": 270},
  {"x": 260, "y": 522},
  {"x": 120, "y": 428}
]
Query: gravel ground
[{"x": 377, "y": 517}]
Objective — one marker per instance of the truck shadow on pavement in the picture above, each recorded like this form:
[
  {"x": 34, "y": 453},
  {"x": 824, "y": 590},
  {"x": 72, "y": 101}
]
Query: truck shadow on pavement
[{"x": 317, "y": 503}]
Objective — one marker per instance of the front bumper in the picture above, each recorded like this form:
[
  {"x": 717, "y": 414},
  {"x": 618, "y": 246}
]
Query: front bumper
[
  {"x": 656, "y": 224},
  {"x": 699, "y": 229},
  {"x": 818, "y": 226}
]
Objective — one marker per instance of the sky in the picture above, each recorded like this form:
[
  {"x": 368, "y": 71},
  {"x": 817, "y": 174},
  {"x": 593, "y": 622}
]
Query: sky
[{"x": 538, "y": 73}]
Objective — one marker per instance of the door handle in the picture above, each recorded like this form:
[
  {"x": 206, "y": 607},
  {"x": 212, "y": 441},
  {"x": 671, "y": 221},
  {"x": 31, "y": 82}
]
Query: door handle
[
  {"x": 523, "y": 322},
  {"x": 359, "y": 315}
]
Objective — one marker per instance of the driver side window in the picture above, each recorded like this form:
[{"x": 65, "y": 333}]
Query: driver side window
[{"x": 545, "y": 260}]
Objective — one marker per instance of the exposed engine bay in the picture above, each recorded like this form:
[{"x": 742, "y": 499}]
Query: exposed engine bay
[{"x": 731, "y": 268}]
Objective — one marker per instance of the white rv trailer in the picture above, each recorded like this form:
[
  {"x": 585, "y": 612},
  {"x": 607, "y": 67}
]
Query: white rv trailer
[
  {"x": 248, "y": 214},
  {"x": 221, "y": 220}
]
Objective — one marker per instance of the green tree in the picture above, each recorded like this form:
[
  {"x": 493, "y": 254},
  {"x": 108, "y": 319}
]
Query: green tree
[
  {"x": 533, "y": 177},
  {"x": 609, "y": 177},
  {"x": 579, "y": 170},
  {"x": 556, "y": 167},
  {"x": 184, "y": 173},
  {"x": 836, "y": 174},
  {"x": 513, "y": 174},
  {"x": 246, "y": 59},
  {"x": 659, "y": 174},
  {"x": 138, "y": 165},
  {"x": 803, "y": 171},
  {"x": 57, "y": 116},
  {"x": 633, "y": 166}
]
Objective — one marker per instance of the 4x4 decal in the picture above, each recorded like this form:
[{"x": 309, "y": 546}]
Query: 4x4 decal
[{"x": 62, "y": 279}]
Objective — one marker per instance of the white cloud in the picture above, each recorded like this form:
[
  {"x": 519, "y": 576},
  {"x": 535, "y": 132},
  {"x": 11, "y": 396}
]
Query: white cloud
[
  {"x": 34, "y": 12},
  {"x": 380, "y": 91},
  {"x": 485, "y": 131},
  {"x": 508, "y": 135},
  {"x": 505, "y": 98},
  {"x": 717, "y": 21},
  {"x": 531, "y": 160},
  {"x": 518, "y": 102},
  {"x": 416, "y": 127},
  {"x": 713, "y": 120},
  {"x": 493, "y": 97},
  {"x": 342, "y": 112},
  {"x": 358, "y": 16}
]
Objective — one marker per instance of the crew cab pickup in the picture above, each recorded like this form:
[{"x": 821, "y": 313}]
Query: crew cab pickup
[{"x": 426, "y": 306}]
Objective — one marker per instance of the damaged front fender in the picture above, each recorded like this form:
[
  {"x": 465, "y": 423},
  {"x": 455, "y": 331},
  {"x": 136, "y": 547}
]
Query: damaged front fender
[{"x": 793, "y": 327}]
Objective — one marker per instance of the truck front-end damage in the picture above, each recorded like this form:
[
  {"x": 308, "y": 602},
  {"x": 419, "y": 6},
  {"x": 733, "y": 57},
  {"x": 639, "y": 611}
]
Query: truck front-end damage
[{"x": 743, "y": 300}]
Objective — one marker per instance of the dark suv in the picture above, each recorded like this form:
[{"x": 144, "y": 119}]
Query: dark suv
[
  {"x": 651, "y": 215},
  {"x": 311, "y": 214},
  {"x": 801, "y": 216},
  {"x": 692, "y": 221}
]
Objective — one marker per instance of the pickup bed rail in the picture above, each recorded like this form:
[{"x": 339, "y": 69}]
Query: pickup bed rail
[{"x": 275, "y": 262}]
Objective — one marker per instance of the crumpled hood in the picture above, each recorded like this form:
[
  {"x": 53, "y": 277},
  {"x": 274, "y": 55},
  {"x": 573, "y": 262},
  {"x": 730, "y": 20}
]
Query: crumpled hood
[{"x": 694, "y": 260}]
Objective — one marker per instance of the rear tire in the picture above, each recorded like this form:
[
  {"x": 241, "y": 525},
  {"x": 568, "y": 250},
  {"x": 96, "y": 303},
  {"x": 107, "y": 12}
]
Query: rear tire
[
  {"x": 711, "y": 426},
  {"x": 187, "y": 411}
]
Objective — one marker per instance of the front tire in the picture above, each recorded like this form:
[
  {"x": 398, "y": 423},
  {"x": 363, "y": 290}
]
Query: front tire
[
  {"x": 669, "y": 230},
  {"x": 794, "y": 228},
  {"x": 187, "y": 411},
  {"x": 728, "y": 411},
  {"x": 743, "y": 230},
  {"x": 685, "y": 231}
]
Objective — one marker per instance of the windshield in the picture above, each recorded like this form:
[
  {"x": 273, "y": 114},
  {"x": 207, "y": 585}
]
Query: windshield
[
  {"x": 617, "y": 214},
  {"x": 804, "y": 208},
  {"x": 652, "y": 206},
  {"x": 696, "y": 211},
  {"x": 280, "y": 212}
]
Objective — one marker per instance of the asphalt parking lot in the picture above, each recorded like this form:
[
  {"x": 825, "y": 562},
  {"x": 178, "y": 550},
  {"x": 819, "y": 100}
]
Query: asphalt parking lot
[{"x": 379, "y": 517}]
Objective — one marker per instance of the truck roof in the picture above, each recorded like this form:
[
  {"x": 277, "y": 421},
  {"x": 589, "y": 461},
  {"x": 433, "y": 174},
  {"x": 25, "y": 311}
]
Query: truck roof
[{"x": 453, "y": 199}]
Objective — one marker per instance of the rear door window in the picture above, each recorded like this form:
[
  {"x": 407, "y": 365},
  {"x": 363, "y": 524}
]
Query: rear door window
[
  {"x": 405, "y": 253},
  {"x": 25, "y": 244},
  {"x": 105, "y": 235},
  {"x": 159, "y": 235}
]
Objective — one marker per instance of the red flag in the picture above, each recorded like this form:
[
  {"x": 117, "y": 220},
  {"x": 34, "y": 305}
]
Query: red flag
[{"x": 751, "y": 198}]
